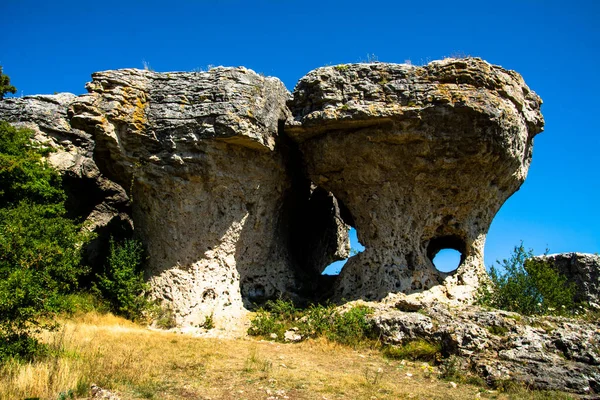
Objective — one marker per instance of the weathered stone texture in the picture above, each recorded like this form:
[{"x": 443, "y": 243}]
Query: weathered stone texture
[
  {"x": 211, "y": 190},
  {"x": 581, "y": 269},
  {"x": 550, "y": 353},
  {"x": 242, "y": 192},
  {"x": 422, "y": 158}
]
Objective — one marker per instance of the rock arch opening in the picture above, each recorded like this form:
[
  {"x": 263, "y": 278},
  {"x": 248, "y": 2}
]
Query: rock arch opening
[
  {"x": 446, "y": 253},
  {"x": 447, "y": 260},
  {"x": 356, "y": 247}
]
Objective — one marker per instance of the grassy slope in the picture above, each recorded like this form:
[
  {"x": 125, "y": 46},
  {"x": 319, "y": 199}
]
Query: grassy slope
[{"x": 142, "y": 364}]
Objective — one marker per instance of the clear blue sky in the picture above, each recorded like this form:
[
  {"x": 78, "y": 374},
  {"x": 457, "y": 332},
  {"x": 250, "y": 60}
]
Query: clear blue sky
[{"x": 54, "y": 46}]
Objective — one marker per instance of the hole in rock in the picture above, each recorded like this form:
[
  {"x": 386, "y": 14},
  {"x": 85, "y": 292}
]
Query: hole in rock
[
  {"x": 447, "y": 260},
  {"x": 446, "y": 252},
  {"x": 355, "y": 248}
]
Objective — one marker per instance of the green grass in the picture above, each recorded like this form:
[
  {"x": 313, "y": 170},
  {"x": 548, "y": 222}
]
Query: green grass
[
  {"x": 350, "y": 327},
  {"x": 420, "y": 349}
]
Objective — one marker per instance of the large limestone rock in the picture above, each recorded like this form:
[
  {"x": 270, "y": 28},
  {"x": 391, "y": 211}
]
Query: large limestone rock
[
  {"x": 242, "y": 192},
  {"x": 583, "y": 270},
  {"x": 549, "y": 353},
  {"x": 422, "y": 158},
  {"x": 216, "y": 193},
  {"x": 92, "y": 198}
]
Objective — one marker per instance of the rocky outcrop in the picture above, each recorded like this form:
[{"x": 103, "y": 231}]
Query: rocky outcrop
[
  {"x": 92, "y": 198},
  {"x": 550, "y": 353},
  {"x": 581, "y": 269},
  {"x": 422, "y": 158},
  {"x": 217, "y": 198},
  {"x": 242, "y": 192}
]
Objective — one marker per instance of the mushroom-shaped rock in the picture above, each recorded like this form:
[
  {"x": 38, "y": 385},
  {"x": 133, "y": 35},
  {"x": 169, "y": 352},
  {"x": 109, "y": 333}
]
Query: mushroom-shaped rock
[
  {"x": 422, "y": 158},
  {"x": 211, "y": 190}
]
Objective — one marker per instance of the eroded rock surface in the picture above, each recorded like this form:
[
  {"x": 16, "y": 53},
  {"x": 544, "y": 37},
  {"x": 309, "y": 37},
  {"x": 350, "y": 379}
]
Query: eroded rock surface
[
  {"x": 583, "y": 270},
  {"x": 242, "y": 192},
  {"x": 92, "y": 198},
  {"x": 422, "y": 158},
  {"x": 214, "y": 196},
  {"x": 550, "y": 353}
]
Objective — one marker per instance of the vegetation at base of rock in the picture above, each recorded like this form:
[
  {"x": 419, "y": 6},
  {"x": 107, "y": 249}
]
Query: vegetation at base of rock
[
  {"x": 40, "y": 249},
  {"x": 41, "y": 252},
  {"x": 516, "y": 390},
  {"x": 419, "y": 349},
  {"x": 135, "y": 363},
  {"x": 163, "y": 316},
  {"x": 209, "y": 322},
  {"x": 528, "y": 286},
  {"x": 122, "y": 283},
  {"x": 349, "y": 327},
  {"x": 455, "y": 369},
  {"x": 5, "y": 86}
]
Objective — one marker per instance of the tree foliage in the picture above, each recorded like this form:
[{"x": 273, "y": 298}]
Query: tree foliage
[
  {"x": 528, "y": 286},
  {"x": 122, "y": 283},
  {"x": 5, "y": 86},
  {"x": 40, "y": 249}
]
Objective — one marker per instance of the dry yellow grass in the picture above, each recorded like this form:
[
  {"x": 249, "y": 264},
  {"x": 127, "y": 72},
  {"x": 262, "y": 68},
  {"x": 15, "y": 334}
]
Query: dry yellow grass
[{"x": 138, "y": 363}]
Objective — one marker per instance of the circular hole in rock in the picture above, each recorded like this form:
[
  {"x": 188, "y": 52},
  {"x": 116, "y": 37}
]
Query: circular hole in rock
[
  {"x": 447, "y": 260},
  {"x": 446, "y": 252}
]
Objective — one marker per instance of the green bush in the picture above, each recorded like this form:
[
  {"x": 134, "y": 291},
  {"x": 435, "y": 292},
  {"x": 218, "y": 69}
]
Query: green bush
[
  {"x": 25, "y": 177},
  {"x": 349, "y": 328},
  {"x": 122, "y": 283},
  {"x": 528, "y": 286},
  {"x": 40, "y": 249}
]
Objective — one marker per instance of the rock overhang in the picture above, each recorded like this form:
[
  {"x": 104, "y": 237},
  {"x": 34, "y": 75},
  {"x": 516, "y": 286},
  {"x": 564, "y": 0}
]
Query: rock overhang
[
  {"x": 217, "y": 195},
  {"x": 422, "y": 156},
  {"x": 244, "y": 191}
]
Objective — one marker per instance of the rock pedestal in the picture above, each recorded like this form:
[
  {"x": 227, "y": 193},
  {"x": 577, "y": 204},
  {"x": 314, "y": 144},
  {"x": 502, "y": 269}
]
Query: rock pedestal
[
  {"x": 212, "y": 197},
  {"x": 422, "y": 158}
]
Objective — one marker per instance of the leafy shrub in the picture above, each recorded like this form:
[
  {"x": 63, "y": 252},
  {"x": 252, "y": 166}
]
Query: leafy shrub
[
  {"x": 40, "y": 249},
  {"x": 122, "y": 284},
  {"x": 25, "y": 177},
  {"x": 528, "y": 286},
  {"x": 349, "y": 328}
]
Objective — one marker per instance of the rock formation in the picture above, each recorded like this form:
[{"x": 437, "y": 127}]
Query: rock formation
[
  {"x": 215, "y": 193},
  {"x": 242, "y": 192},
  {"x": 422, "y": 158},
  {"x": 549, "y": 353},
  {"x": 581, "y": 269},
  {"x": 92, "y": 198}
]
